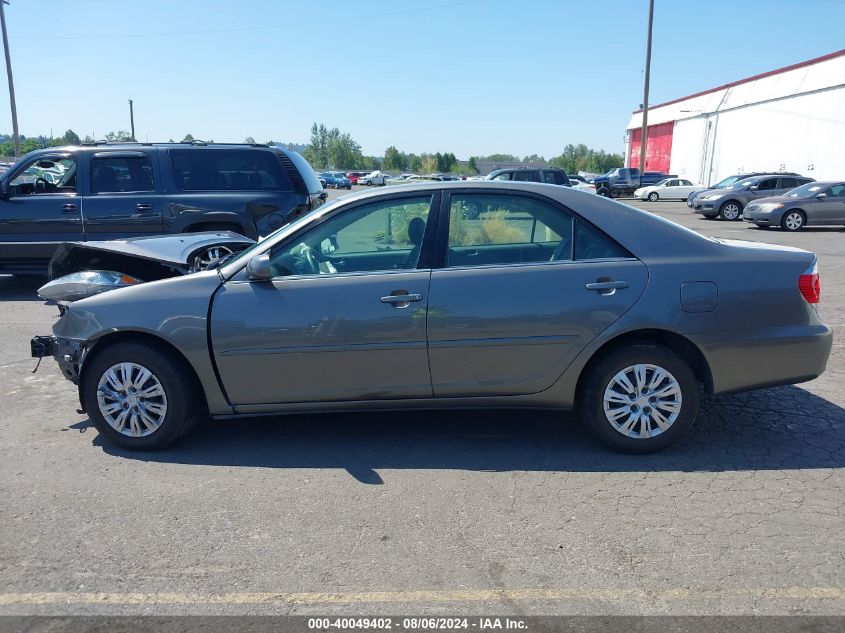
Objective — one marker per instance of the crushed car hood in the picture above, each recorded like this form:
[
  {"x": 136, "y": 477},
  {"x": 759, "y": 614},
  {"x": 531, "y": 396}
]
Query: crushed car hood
[{"x": 146, "y": 258}]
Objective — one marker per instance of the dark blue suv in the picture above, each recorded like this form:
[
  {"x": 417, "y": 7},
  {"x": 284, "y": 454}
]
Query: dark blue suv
[{"x": 105, "y": 191}]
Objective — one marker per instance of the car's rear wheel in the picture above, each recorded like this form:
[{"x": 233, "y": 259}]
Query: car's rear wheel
[
  {"x": 640, "y": 399},
  {"x": 653, "y": 196},
  {"x": 140, "y": 397},
  {"x": 603, "y": 192},
  {"x": 730, "y": 211},
  {"x": 793, "y": 221}
]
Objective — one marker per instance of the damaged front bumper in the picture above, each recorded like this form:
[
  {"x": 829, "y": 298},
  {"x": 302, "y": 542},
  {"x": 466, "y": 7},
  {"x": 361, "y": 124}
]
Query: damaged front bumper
[{"x": 67, "y": 352}]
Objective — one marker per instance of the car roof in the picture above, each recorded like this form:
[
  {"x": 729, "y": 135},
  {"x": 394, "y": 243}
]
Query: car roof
[{"x": 646, "y": 235}]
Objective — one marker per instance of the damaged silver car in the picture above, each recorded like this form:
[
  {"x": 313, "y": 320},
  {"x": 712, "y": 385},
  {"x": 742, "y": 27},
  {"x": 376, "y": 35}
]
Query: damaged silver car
[{"x": 84, "y": 269}]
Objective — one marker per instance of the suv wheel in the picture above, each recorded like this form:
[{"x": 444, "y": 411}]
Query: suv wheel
[
  {"x": 640, "y": 398},
  {"x": 731, "y": 210},
  {"x": 793, "y": 221},
  {"x": 140, "y": 397}
]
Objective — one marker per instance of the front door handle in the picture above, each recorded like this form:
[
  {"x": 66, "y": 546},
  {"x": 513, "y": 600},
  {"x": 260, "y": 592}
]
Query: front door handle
[
  {"x": 143, "y": 207},
  {"x": 606, "y": 287},
  {"x": 401, "y": 300},
  {"x": 69, "y": 208}
]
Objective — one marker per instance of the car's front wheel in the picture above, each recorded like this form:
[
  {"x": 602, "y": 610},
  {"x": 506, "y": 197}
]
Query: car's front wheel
[
  {"x": 793, "y": 221},
  {"x": 140, "y": 397},
  {"x": 730, "y": 211},
  {"x": 640, "y": 398},
  {"x": 653, "y": 196}
]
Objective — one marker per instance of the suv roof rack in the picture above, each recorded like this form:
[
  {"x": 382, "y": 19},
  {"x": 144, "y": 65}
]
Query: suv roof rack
[{"x": 190, "y": 142}]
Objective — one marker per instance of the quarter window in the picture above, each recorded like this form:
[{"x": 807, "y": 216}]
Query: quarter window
[
  {"x": 590, "y": 244},
  {"x": 788, "y": 183},
  {"x": 113, "y": 174},
  {"x": 379, "y": 236},
  {"x": 228, "y": 170}
]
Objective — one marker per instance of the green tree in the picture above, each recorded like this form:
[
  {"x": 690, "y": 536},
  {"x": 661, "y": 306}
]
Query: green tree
[
  {"x": 414, "y": 163},
  {"x": 120, "y": 135},
  {"x": 473, "y": 165},
  {"x": 394, "y": 159},
  {"x": 70, "y": 138}
]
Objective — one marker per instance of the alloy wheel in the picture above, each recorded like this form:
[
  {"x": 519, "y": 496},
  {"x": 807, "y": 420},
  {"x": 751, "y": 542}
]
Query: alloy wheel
[
  {"x": 131, "y": 399},
  {"x": 730, "y": 211},
  {"x": 210, "y": 256},
  {"x": 642, "y": 401}
]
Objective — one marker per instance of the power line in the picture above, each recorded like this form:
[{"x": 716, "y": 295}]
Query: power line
[{"x": 371, "y": 16}]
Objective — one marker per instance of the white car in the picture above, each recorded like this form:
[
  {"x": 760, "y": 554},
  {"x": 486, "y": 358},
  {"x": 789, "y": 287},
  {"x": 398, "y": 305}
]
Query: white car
[
  {"x": 373, "y": 178},
  {"x": 668, "y": 189}
]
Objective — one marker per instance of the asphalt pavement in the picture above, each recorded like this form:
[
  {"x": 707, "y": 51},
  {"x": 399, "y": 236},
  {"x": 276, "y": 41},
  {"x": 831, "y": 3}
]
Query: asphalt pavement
[{"x": 451, "y": 513}]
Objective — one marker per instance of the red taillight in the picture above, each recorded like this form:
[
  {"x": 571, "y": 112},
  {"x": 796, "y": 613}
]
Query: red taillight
[{"x": 809, "y": 285}]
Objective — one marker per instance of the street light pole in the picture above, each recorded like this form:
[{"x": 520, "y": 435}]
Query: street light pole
[
  {"x": 644, "y": 130},
  {"x": 15, "y": 136},
  {"x": 132, "y": 119}
]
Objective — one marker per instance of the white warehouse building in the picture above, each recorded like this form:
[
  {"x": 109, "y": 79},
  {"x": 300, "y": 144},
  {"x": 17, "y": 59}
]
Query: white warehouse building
[{"x": 790, "y": 119}]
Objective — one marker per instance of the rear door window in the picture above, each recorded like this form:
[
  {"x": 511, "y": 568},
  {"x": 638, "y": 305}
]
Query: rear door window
[
  {"x": 121, "y": 173},
  {"x": 228, "y": 170},
  {"x": 788, "y": 183},
  {"x": 528, "y": 175}
]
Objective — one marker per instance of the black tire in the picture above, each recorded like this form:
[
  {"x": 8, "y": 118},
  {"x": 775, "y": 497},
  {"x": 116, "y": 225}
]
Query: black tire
[
  {"x": 180, "y": 388},
  {"x": 653, "y": 196},
  {"x": 730, "y": 210},
  {"x": 591, "y": 401},
  {"x": 614, "y": 194},
  {"x": 793, "y": 221}
]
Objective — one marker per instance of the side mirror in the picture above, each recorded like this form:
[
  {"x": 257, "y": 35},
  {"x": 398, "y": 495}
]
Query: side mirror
[
  {"x": 753, "y": 187},
  {"x": 258, "y": 268},
  {"x": 4, "y": 189},
  {"x": 821, "y": 196}
]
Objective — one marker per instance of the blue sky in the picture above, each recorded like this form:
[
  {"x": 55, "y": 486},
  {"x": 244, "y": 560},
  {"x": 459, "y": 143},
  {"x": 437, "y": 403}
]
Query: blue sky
[{"x": 470, "y": 77}]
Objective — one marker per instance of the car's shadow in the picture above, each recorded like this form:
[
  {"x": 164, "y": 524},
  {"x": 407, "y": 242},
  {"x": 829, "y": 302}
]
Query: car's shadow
[
  {"x": 21, "y": 288},
  {"x": 784, "y": 428}
]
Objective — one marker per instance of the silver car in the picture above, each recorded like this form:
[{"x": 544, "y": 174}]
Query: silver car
[
  {"x": 540, "y": 298},
  {"x": 816, "y": 203}
]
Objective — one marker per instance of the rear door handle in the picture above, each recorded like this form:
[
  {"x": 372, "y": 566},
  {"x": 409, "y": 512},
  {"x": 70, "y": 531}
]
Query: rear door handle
[
  {"x": 69, "y": 208},
  {"x": 401, "y": 301},
  {"x": 143, "y": 207},
  {"x": 606, "y": 287}
]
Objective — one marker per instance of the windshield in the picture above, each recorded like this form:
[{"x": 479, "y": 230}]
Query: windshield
[
  {"x": 741, "y": 184},
  {"x": 660, "y": 183},
  {"x": 805, "y": 191},
  {"x": 727, "y": 182}
]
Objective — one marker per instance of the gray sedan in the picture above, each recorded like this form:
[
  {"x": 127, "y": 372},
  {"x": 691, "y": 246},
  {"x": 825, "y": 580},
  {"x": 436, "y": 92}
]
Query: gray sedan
[
  {"x": 452, "y": 295},
  {"x": 812, "y": 204}
]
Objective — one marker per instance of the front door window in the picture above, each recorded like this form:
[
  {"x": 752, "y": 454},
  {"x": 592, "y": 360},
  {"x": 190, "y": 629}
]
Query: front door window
[
  {"x": 379, "y": 236},
  {"x": 45, "y": 175}
]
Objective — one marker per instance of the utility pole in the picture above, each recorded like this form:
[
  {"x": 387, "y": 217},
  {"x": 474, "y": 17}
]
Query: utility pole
[
  {"x": 644, "y": 130},
  {"x": 15, "y": 136},
  {"x": 132, "y": 119}
]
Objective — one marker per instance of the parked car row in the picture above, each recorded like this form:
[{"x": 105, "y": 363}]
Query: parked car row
[{"x": 728, "y": 198}]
